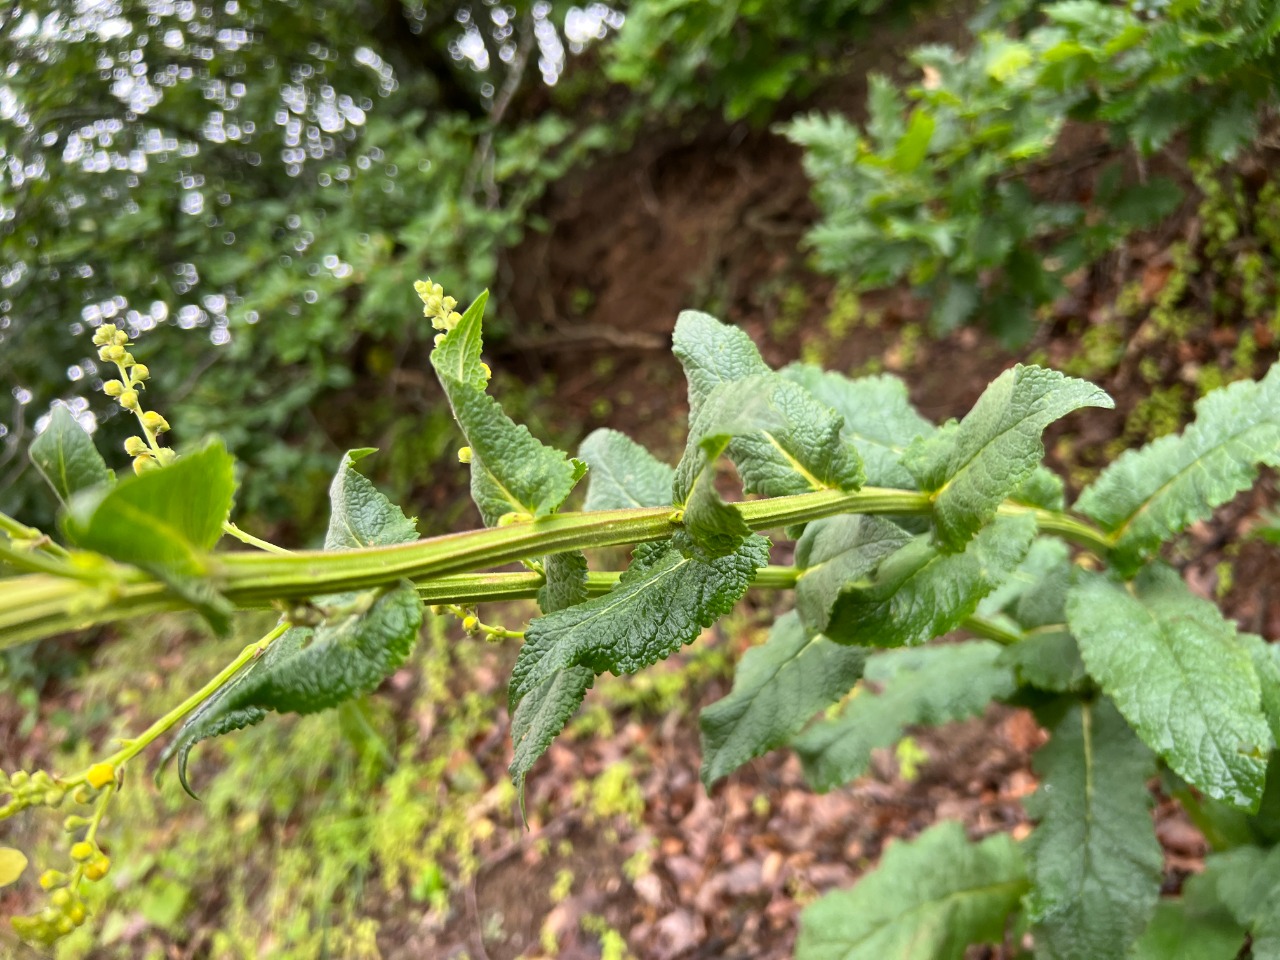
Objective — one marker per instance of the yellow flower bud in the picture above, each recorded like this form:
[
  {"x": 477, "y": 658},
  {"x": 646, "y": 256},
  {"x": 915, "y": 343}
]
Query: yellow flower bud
[
  {"x": 83, "y": 795},
  {"x": 104, "y": 334},
  {"x": 140, "y": 372},
  {"x": 114, "y": 353},
  {"x": 120, "y": 338},
  {"x": 144, "y": 463},
  {"x": 488, "y": 374},
  {"x": 98, "y": 869},
  {"x": 135, "y": 446},
  {"x": 61, "y": 897},
  {"x": 113, "y": 388},
  {"x": 104, "y": 353},
  {"x": 154, "y": 422},
  {"x": 166, "y": 456},
  {"x": 100, "y": 774},
  {"x": 53, "y": 878},
  {"x": 464, "y": 454},
  {"x": 73, "y": 823},
  {"x": 76, "y": 913},
  {"x": 53, "y": 796},
  {"x": 129, "y": 399},
  {"x": 64, "y": 925},
  {"x": 470, "y": 624},
  {"x": 82, "y": 851}
]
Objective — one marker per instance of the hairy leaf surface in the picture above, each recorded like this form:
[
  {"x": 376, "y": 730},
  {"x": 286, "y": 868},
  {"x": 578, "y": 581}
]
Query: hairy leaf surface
[
  {"x": 927, "y": 685},
  {"x": 970, "y": 467},
  {"x": 782, "y": 442},
  {"x": 1148, "y": 495},
  {"x": 1247, "y": 881},
  {"x": 65, "y": 456},
  {"x": 623, "y": 474},
  {"x": 540, "y": 716},
  {"x": 359, "y": 515},
  {"x": 1094, "y": 860},
  {"x": 929, "y": 899},
  {"x": 663, "y": 601},
  {"x": 777, "y": 689},
  {"x": 918, "y": 592},
  {"x": 1181, "y": 677},
  {"x": 511, "y": 470}
]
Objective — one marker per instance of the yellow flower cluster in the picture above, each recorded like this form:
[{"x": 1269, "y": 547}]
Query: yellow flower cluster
[
  {"x": 437, "y": 307},
  {"x": 145, "y": 450}
]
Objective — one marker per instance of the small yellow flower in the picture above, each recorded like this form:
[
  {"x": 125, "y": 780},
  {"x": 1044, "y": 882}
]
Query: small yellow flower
[{"x": 100, "y": 774}]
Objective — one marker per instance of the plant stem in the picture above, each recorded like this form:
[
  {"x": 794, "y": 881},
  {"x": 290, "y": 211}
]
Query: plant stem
[{"x": 245, "y": 537}]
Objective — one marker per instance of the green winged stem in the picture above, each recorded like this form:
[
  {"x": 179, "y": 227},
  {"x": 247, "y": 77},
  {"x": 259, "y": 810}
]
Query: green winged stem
[{"x": 77, "y": 593}]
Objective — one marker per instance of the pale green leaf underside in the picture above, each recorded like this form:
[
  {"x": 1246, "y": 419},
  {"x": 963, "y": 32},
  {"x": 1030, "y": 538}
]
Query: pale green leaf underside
[
  {"x": 1181, "y": 677},
  {"x": 1148, "y": 495},
  {"x": 970, "y": 467},
  {"x": 835, "y": 552},
  {"x": 1176, "y": 931},
  {"x": 925, "y": 685},
  {"x": 919, "y": 592},
  {"x": 878, "y": 418},
  {"x": 1094, "y": 860},
  {"x": 929, "y": 899},
  {"x": 663, "y": 601},
  {"x": 777, "y": 689},
  {"x": 65, "y": 456},
  {"x": 624, "y": 475}
]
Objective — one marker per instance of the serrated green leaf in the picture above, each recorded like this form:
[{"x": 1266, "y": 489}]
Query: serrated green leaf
[
  {"x": 1180, "y": 675},
  {"x": 540, "y": 716},
  {"x": 1044, "y": 489},
  {"x": 927, "y": 685},
  {"x": 970, "y": 467},
  {"x": 307, "y": 670},
  {"x": 511, "y": 470},
  {"x": 777, "y": 689},
  {"x": 929, "y": 899},
  {"x": 782, "y": 442},
  {"x": 836, "y": 551},
  {"x": 65, "y": 456},
  {"x": 359, "y": 515},
  {"x": 663, "y": 601},
  {"x": 1047, "y": 661},
  {"x": 918, "y": 592},
  {"x": 1148, "y": 495},
  {"x": 623, "y": 474},
  {"x": 1094, "y": 861},
  {"x": 878, "y": 418},
  {"x": 914, "y": 145},
  {"x": 566, "y": 581}
]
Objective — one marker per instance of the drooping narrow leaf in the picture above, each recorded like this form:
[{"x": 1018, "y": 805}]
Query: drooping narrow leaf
[
  {"x": 777, "y": 689},
  {"x": 359, "y": 514},
  {"x": 1148, "y": 495},
  {"x": 918, "y": 592},
  {"x": 364, "y": 639},
  {"x": 929, "y": 899},
  {"x": 623, "y": 473},
  {"x": 65, "y": 456},
  {"x": 512, "y": 472},
  {"x": 1180, "y": 675},
  {"x": 878, "y": 418},
  {"x": 835, "y": 552},
  {"x": 663, "y": 601},
  {"x": 970, "y": 467},
  {"x": 926, "y": 685},
  {"x": 1094, "y": 861},
  {"x": 308, "y": 670},
  {"x": 540, "y": 716}
]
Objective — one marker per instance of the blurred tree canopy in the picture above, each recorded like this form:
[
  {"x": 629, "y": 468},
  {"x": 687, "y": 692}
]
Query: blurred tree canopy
[{"x": 255, "y": 184}]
